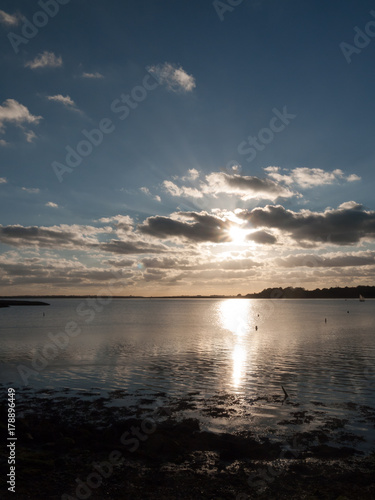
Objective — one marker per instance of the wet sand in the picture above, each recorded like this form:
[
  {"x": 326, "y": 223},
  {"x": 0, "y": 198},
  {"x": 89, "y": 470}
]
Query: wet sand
[{"x": 83, "y": 445}]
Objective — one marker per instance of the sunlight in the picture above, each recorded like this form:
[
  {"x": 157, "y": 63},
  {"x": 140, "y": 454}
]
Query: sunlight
[
  {"x": 239, "y": 364},
  {"x": 235, "y": 315},
  {"x": 237, "y": 234}
]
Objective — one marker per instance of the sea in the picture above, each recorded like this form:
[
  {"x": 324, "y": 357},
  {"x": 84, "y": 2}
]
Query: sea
[{"x": 318, "y": 351}]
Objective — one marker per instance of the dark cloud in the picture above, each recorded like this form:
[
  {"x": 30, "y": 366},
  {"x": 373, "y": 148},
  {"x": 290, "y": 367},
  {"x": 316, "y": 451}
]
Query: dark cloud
[
  {"x": 129, "y": 247},
  {"x": 165, "y": 263},
  {"x": 200, "y": 228},
  {"x": 262, "y": 237},
  {"x": 154, "y": 275},
  {"x": 99, "y": 275},
  {"x": 18, "y": 269},
  {"x": 83, "y": 238},
  {"x": 245, "y": 187},
  {"x": 120, "y": 263},
  {"x": 345, "y": 225},
  {"x": 55, "y": 272},
  {"x": 20, "y": 236},
  {"x": 217, "y": 275},
  {"x": 185, "y": 264},
  {"x": 256, "y": 184},
  {"x": 310, "y": 260}
]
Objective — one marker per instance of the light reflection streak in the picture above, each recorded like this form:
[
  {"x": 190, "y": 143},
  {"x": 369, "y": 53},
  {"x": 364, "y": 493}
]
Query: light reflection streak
[
  {"x": 237, "y": 316},
  {"x": 239, "y": 356}
]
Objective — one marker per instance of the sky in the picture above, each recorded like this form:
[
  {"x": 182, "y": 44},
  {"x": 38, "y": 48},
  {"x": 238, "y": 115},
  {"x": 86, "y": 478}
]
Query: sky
[{"x": 192, "y": 147}]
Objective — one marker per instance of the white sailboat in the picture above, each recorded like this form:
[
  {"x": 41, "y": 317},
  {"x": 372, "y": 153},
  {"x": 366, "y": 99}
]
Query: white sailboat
[{"x": 361, "y": 298}]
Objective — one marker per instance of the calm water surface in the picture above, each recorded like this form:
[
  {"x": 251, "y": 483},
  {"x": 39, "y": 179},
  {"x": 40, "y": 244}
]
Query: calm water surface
[
  {"x": 232, "y": 354},
  {"x": 237, "y": 346}
]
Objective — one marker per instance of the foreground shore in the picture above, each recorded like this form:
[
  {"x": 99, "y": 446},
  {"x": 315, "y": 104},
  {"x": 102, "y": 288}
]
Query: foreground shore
[{"x": 71, "y": 445}]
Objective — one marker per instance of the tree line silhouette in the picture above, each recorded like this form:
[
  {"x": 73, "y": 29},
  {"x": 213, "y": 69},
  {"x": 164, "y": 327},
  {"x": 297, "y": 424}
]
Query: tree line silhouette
[{"x": 319, "y": 293}]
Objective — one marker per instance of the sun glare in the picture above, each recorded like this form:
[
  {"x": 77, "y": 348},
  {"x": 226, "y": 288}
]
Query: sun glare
[
  {"x": 237, "y": 234},
  {"x": 235, "y": 315}
]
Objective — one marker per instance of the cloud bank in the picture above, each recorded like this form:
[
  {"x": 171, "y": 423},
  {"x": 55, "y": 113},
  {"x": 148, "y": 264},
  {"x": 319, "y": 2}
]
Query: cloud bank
[
  {"x": 308, "y": 177},
  {"x": 346, "y": 225}
]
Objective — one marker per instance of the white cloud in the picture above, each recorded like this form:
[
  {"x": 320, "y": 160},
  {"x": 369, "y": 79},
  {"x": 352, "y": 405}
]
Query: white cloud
[
  {"x": 31, "y": 190},
  {"x": 9, "y": 19},
  {"x": 353, "y": 177},
  {"x": 217, "y": 183},
  {"x": 11, "y": 111},
  {"x": 120, "y": 222},
  {"x": 350, "y": 205},
  {"x": 192, "y": 175},
  {"x": 3, "y": 180},
  {"x": 184, "y": 191},
  {"x": 3, "y": 143},
  {"x": 92, "y": 75},
  {"x": 30, "y": 135},
  {"x": 147, "y": 192},
  {"x": 44, "y": 60},
  {"x": 308, "y": 177},
  {"x": 175, "y": 78},
  {"x": 67, "y": 101},
  {"x": 52, "y": 205}
]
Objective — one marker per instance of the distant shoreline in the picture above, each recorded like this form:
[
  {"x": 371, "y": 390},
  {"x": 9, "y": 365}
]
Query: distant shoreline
[
  {"x": 368, "y": 292},
  {"x": 8, "y": 303}
]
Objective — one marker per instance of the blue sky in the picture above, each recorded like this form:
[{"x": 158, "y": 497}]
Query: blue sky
[{"x": 244, "y": 158}]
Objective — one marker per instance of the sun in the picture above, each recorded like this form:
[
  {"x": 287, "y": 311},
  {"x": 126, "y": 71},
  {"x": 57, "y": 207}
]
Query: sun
[{"x": 237, "y": 234}]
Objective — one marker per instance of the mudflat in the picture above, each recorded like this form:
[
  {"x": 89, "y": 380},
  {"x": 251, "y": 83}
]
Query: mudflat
[{"x": 72, "y": 445}]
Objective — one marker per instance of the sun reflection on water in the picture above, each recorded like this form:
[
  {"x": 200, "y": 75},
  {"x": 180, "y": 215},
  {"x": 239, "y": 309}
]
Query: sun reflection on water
[
  {"x": 239, "y": 357},
  {"x": 237, "y": 316}
]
